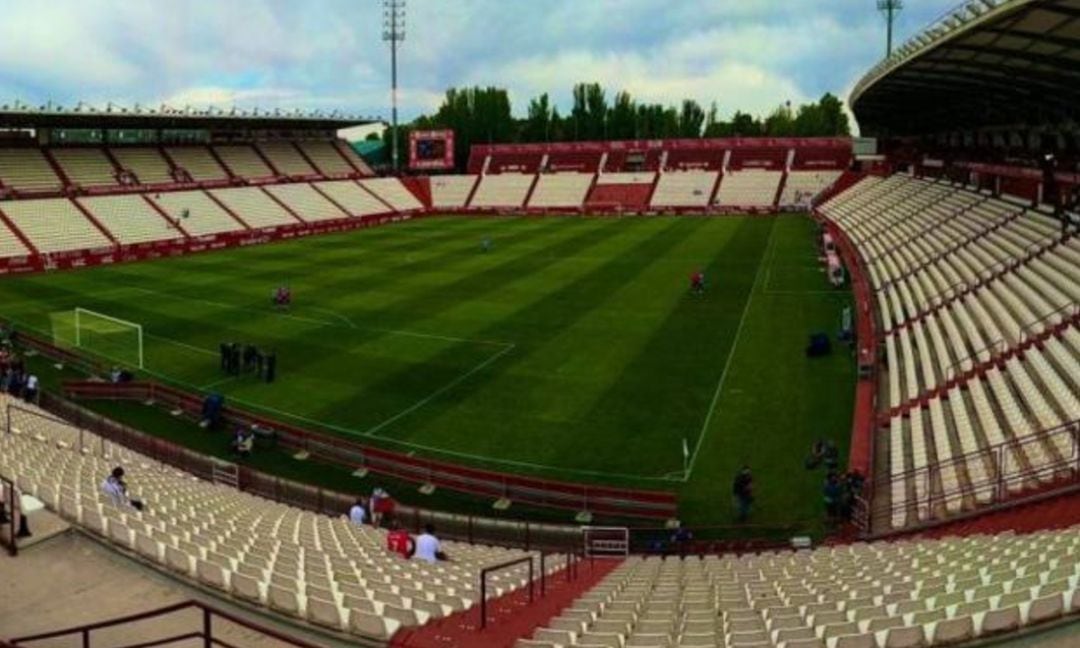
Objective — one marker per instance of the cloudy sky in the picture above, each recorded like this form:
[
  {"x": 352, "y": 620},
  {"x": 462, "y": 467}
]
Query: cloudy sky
[{"x": 745, "y": 54}]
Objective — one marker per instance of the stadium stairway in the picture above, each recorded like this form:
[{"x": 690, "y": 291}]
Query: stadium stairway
[
  {"x": 419, "y": 187},
  {"x": 510, "y": 617}
]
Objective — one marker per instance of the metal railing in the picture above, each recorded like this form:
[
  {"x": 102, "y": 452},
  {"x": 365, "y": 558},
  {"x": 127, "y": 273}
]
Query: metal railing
[
  {"x": 11, "y": 511},
  {"x": 204, "y": 632},
  {"x": 1011, "y": 477},
  {"x": 494, "y": 568}
]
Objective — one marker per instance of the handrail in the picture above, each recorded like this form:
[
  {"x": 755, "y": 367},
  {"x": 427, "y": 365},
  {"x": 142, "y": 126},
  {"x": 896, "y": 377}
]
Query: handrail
[
  {"x": 999, "y": 482},
  {"x": 206, "y": 633},
  {"x": 12, "y": 513},
  {"x": 504, "y": 565}
]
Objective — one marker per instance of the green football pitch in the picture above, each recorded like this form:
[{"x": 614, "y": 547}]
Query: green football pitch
[{"x": 571, "y": 349}]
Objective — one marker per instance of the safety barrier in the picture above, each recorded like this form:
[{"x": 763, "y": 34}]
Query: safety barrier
[{"x": 204, "y": 630}]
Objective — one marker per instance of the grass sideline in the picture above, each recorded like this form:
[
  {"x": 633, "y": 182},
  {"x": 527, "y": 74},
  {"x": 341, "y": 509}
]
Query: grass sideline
[{"x": 570, "y": 350}]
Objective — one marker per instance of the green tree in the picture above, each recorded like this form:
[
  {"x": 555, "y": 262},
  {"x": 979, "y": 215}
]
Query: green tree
[
  {"x": 537, "y": 127},
  {"x": 691, "y": 119},
  {"x": 780, "y": 123},
  {"x": 622, "y": 118},
  {"x": 833, "y": 115},
  {"x": 745, "y": 125}
]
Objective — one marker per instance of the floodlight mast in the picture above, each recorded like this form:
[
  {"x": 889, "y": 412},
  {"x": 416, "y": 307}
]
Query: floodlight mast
[
  {"x": 393, "y": 33},
  {"x": 890, "y": 8}
]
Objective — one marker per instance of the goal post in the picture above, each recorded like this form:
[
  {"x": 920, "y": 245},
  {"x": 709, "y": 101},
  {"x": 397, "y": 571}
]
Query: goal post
[{"x": 109, "y": 337}]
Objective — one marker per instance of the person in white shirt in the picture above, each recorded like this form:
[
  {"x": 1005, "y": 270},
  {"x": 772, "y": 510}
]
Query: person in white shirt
[
  {"x": 116, "y": 490},
  {"x": 357, "y": 514},
  {"x": 114, "y": 487},
  {"x": 30, "y": 394},
  {"x": 427, "y": 546}
]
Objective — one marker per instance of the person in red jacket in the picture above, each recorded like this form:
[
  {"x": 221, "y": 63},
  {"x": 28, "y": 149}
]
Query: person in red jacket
[{"x": 399, "y": 541}]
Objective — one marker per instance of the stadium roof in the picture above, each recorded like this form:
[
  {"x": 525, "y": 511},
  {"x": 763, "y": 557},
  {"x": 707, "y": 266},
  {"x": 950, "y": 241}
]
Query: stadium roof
[
  {"x": 115, "y": 117},
  {"x": 984, "y": 63}
]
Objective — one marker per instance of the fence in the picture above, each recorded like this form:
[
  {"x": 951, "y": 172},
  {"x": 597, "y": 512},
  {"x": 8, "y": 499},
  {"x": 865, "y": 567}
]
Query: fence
[{"x": 202, "y": 624}]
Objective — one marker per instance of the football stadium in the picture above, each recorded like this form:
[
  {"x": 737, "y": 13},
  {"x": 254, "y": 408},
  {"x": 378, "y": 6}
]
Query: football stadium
[{"x": 588, "y": 369}]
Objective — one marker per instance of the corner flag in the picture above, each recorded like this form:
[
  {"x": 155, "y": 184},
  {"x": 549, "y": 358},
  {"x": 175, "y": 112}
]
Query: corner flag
[{"x": 686, "y": 456}]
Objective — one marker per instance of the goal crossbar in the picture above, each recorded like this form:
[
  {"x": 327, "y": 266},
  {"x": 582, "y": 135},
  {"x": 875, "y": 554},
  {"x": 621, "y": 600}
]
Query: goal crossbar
[{"x": 81, "y": 313}]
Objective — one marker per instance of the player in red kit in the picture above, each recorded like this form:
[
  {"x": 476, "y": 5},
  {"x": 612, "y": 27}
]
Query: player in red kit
[{"x": 697, "y": 283}]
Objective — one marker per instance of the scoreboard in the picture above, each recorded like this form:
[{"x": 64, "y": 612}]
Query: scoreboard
[{"x": 431, "y": 149}]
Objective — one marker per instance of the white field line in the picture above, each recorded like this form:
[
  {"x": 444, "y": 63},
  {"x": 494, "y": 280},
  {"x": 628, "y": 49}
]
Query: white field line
[
  {"x": 373, "y": 430},
  {"x": 184, "y": 345},
  {"x": 731, "y": 355}
]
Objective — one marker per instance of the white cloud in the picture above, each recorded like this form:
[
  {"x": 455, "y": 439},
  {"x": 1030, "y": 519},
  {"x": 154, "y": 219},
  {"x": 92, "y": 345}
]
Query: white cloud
[
  {"x": 668, "y": 76},
  {"x": 745, "y": 54}
]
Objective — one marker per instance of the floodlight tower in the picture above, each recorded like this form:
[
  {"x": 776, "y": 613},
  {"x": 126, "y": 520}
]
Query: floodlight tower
[
  {"x": 890, "y": 8},
  {"x": 393, "y": 33}
]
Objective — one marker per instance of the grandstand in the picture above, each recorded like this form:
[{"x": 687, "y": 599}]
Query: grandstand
[
  {"x": 131, "y": 219},
  {"x": 351, "y": 197},
  {"x": 502, "y": 190},
  {"x": 325, "y": 158},
  {"x": 197, "y": 162},
  {"x": 306, "y": 202},
  {"x": 146, "y": 163},
  {"x": 27, "y": 170},
  {"x": 451, "y": 191},
  {"x": 258, "y": 207},
  {"x": 198, "y": 214},
  {"x": 85, "y": 167},
  {"x": 244, "y": 161},
  {"x": 749, "y": 188},
  {"x": 314, "y": 567},
  {"x": 55, "y": 225},
  {"x": 684, "y": 189},
  {"x": 560, "y": 190},
  {"x": 392, "y": 192}
]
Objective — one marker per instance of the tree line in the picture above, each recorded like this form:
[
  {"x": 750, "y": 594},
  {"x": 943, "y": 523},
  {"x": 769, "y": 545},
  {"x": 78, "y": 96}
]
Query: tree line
[{"x": 484, "y": 116}]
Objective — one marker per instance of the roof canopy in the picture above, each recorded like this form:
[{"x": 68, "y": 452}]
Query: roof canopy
[
  {"x": 21, "y": 116},
  {"x": 985, "y": 63}
]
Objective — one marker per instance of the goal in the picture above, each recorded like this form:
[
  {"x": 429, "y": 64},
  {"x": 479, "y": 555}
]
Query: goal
[{"x": 109, "y": 337}]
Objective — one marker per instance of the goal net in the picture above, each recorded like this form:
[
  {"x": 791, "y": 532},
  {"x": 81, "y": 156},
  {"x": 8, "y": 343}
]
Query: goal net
[{"x": 106, "y": 337}]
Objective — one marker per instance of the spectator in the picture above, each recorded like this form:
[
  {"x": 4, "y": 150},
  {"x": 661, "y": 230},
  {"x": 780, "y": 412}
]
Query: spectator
[
  {"x": 241, "y": 443},
  {"x": 381, "y": 506},
  {"x": 399, "y": 541},
  {"x": 247, "y": 443},
  {"x": 115, "y": 489},
  {"x": 743, "y": 493},
  {"x": 30, "y": 391},
  {"x": 427, "y": 546},
  {"x": 832, "y": 493},
  {"x": 681, "y": 539},
  {"x": 357, "y": 514}
]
